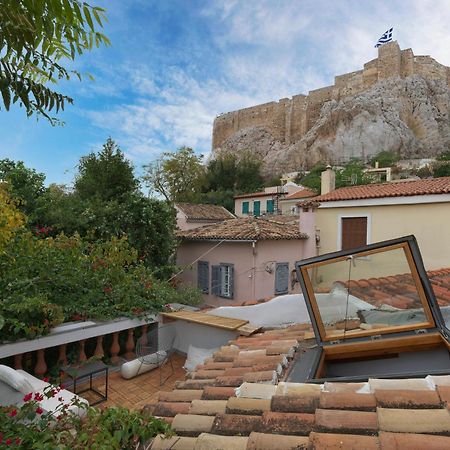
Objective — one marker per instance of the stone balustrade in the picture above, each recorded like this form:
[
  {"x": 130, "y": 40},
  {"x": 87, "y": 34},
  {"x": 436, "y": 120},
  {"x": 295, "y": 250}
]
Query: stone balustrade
[{"x": 78, "y": 333}]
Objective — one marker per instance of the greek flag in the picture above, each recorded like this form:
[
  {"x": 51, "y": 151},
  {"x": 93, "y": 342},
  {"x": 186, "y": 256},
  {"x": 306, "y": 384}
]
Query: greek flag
[{"x": 387, "y": 37}]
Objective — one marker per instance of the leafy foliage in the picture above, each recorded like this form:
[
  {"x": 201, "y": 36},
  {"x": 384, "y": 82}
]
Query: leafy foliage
[
  {"x": 29, "y": 426},
  {"x": 384, "y": 159},
  {"x": 11, "y": 219},
  {"x": 176, "y": 176},
  {"x": 102, "y": 280},
  {"x": 25, "y": 185},
  {"x": 34, "y": 37},
  {"x": 105, "y": 176}
]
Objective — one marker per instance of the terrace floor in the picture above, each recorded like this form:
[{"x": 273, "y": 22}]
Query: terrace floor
[{"x": 141, "y": 390}]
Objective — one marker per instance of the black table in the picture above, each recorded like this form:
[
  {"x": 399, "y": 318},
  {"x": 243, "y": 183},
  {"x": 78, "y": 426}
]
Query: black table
[{"x": 77, "y": 374}]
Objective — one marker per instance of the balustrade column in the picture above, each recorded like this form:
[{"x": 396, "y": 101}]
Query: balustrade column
[
  {"x": 62, "y": 356},
  {"x": 82, "y": 355},
  {"x": 99, "y": 347},
  {"x": 18, "y": 361},
  {"x": 115, "y": 348},
  {"x": 130, "y": 345},
  {"x": 41, "y": 365}
]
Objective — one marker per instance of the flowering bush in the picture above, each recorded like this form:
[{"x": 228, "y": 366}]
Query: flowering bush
[
  {"x": 46, "y": 281},
  {"x": 29, "y": 426}
]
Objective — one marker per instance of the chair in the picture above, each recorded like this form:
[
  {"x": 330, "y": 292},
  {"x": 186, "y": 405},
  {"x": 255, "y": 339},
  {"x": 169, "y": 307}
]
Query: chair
[{"x": 156, "y": 348}]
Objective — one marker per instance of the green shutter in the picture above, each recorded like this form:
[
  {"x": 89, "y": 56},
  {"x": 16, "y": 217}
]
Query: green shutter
[
  {"x": 269, "y": 206},
  {"x": 257, "y": 208},
  {"x": 244, "y": 207}
]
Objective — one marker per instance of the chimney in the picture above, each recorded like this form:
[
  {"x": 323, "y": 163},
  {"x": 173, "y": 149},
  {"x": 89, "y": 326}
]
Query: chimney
[{"x": 328, "y": 181}]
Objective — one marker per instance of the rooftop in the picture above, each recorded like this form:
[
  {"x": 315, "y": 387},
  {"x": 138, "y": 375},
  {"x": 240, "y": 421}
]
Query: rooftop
[
  {"x": 430, "y": 186},
  {"x": 303, "y": 193},
  {"x": 245, "y": 228},
  {"x": 238, "y": 399},
  {"x": 198, "y": 212}
]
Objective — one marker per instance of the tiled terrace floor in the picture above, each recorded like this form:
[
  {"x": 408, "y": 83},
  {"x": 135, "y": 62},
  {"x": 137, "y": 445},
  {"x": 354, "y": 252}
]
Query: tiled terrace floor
[{"x": 141, "y": 390}]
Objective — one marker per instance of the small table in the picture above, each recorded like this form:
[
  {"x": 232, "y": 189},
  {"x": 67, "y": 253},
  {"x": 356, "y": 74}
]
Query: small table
[{"x": 76, "y": 374}]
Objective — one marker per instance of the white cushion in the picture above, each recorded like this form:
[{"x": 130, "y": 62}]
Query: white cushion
[
  {"x": 34, "y": 383},
  {"x": 15, "y": 379},
  {"x": 141, "y": 365},
  {"x": 197, "y": 356}
]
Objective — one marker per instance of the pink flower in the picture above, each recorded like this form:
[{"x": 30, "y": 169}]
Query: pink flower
[
  {"x": 28, "y": 397},
  {"x": 18, "y": 441},
  {"x": 38, "y": 397},
  {"x": 45, "y": 379},
  {"x": 13, "y": 413},
  {"x": 39, "y": 410}
]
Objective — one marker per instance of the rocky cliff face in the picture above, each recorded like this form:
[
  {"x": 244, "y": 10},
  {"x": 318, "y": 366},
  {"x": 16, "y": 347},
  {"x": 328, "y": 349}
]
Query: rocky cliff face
[{"x": 409, "y": 116}]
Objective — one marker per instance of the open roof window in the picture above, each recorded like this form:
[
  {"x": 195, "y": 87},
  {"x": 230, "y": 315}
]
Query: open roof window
[{"x": 374, "y": 314}]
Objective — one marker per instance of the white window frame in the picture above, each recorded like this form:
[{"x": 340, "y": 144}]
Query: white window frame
[
  {"x": 225, "y": 286},
  {"x": 368, "y": 216}
]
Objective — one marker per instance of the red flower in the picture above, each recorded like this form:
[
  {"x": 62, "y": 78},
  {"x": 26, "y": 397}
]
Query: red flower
[
  {"x": 18, "y": 441},
  {"x": 13, "y": 413},
  {"x": 45, "y": 379},
  {"x": 8, "y": 441},
  {"x": 60, "y": 399},
  {"x": 107, "y": 290},
  {"x": 38, "y": 397},
  {"x": 39, "y": 410},
  {"x": 28, "y": 397}
]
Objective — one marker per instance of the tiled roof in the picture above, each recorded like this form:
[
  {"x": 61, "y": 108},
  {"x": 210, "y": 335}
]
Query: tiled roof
[
  {"x": 255, "y": 194},
  {"x": 251, "y": 228},
  {"x": 399, "y": 290},
  {"x": 204, "y": 212},
  {"x": 392, "y": 189},
  {"x": 303, "y": 193},
  {"x": 268, "y": 413}
]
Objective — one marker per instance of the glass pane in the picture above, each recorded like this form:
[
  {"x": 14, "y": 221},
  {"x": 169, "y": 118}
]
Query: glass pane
[{"x": 372, "y": 292}]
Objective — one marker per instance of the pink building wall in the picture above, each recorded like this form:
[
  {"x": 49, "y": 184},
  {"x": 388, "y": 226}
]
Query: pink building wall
[
  {"x": 251, "y": 279},
  {"x": 184, "y": 225}
]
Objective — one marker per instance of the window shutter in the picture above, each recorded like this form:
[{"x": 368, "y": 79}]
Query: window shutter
[
  {"x": 231, "y": 281},
  {"x": 256, "y": 208},
  {"x": 216, "y": 280},
  {"x": 203, "y": 276},
  {"x": 354, "y": 232},
  {"x": 270, "y": 206},
  {"x": 244, "y": 207},
  {"x": 281, "y": 278}
]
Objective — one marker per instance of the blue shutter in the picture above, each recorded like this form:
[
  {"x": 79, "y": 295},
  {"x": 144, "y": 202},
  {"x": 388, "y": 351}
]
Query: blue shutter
[
  {"x": 281, "y": 278},
  {"x": 216, "y": 280},
  {"x": 231, "y": 281},
  {"x": 203, "y": 276}
]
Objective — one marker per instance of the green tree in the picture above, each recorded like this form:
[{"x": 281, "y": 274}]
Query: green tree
[
  {"x": 248, "y": 174},
  {"x": 444, "y": 156},
  {"x": 385, "y": 159},
  {"x": 11, "y": 219},
  {"x": 352, "y": 174},
  {"x": 26, "y": 186},
  {"x": 106, "y": 175},
  {"x": 311, "y": 179},
  {"x": 177, "y": 176},
  {"x": 35, "y": 37}
]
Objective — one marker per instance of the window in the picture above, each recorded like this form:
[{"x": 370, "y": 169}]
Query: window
[
  {"x": 223, "y": 280},
  {"x": 270, "y": 206},
  {"x": 203, "y": 276},
  {"x": 244, "y": 207},
  {"x": 353, "y": 232},
  {"x": 281, "y": 278},
  {"x": 257, "y": 208}
]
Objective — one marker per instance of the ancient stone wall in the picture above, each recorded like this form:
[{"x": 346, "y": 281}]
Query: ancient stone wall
[{"x": 288, "y": 120}]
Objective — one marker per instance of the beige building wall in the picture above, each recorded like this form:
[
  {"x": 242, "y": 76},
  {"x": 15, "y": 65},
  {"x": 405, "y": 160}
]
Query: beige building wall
[
  {"x": 430, "y": 223},
  {"x": 263, "y": 199}
]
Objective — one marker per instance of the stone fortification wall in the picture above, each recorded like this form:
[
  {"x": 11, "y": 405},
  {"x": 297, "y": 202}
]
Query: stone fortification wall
[{"x": 289, "y": 119}]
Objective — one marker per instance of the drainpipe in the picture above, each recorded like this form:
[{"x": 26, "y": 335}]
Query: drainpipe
[{"x": 254, "y": 271}]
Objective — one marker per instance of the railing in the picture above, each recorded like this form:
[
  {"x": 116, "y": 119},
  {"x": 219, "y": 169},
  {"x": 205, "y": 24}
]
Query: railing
[{"x": 78, "y": 332}]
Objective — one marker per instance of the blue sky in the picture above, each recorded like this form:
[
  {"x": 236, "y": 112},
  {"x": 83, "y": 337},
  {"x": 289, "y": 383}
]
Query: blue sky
[{"x": 176, "y": 64}]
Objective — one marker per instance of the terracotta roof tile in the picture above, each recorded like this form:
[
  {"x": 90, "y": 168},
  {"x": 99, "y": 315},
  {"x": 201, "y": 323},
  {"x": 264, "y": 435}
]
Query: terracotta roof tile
[
  {"x": 208, "y": 407},
  {"x": 348, "y": 401},
  {"x": 171, "y": 409},
  {"x": 208, "y": 441},
  {"x": 245, "y": 228},
  {"x": 303, "y": 193},
  {"x": 234, "y": 424},
  {"x": 192, "y": 424},
  {"x": 432, "y": 421},
  {"x": 287, "y": 423},
  {"x": 444, "y": 394},
  {"x": 412, "y": 441},
  {"x": 391, "y": 189},
  {"x": 204, "y": 212},
  {"x": 353, "y": 422},
  {"x": 218, "y": 393},
  {"x": 307, "y": 403},
  {"x": 180, "y": 395},
  {"x": 328, "y": 441},
  {"x": 251, "y": 406},
  {"x": 162, "y": 442},
  {"x": 264, "y": 441},
  {"x": 407, "y": 399}
]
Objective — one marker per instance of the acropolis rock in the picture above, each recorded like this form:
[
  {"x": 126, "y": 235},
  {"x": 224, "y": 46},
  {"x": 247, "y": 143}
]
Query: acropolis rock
[{"x": 399, "y": 102}]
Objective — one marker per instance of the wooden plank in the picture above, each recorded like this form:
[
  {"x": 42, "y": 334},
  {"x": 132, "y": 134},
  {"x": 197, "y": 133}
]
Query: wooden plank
[
  {"x": 225, "y": 323},
  {"x": 248, "y": 329}
]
